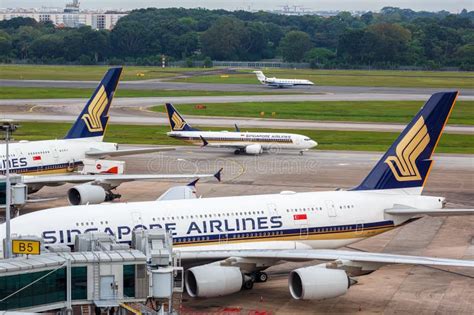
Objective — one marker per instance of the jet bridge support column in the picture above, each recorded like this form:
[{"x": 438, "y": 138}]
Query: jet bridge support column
[{"x": 165, "y": 275}]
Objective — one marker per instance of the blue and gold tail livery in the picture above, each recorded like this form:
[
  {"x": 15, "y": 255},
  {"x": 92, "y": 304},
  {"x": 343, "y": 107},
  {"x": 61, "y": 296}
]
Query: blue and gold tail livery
[
  {"x": 93, "y": 120},
  {"x": 177, "y": 122},
  {"x": 408, "y": 161}
]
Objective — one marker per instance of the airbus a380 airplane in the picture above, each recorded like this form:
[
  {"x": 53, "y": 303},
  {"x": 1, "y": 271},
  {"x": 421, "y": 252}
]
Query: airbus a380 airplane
[
  {"x": 242, "y": 142},
  {"x": 83, "y": 141},
  {"x": 280, "y": 83},
  {"x": 229, "y": 241}
]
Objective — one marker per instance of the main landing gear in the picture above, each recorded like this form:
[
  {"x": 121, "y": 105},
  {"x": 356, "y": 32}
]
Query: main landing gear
[
  {"x": 261, "y": 277},
  {"x": 252, "y": 278}
]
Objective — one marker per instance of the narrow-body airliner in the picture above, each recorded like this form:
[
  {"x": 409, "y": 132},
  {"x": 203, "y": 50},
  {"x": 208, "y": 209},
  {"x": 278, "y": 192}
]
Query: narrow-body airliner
[{"x": 253, "y": 143}]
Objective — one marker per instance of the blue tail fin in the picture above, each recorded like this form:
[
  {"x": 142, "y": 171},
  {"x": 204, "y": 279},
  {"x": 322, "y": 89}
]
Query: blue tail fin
[
  {"x": 408, "y": 161},
  {"x": 93, "y": 119},
  {"x": 177, "y": 122}
]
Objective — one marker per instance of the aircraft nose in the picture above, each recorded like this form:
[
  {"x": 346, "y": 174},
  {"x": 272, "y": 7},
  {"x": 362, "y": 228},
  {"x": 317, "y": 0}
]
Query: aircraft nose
[{"x": 312, "y": 144}]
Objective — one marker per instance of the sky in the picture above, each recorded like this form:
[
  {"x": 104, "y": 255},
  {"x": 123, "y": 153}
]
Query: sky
[{"x": 454, "y": 6}]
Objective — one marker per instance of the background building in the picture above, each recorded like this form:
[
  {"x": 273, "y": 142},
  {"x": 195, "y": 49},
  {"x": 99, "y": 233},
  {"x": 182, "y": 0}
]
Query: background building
[{"x": 70, "y": 16}]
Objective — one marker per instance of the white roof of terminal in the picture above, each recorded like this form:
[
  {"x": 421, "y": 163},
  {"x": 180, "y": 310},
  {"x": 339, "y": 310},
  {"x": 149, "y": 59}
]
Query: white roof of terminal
[{"x": 52, "y": 260}]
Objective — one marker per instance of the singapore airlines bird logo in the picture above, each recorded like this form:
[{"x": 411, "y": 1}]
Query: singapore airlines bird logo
[
  {"x": 178, "y": 122},
  {"x": 95, "y": 111},
  {"x": 408, "y": 150}
]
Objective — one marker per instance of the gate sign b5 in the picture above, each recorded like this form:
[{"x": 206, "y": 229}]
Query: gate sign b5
[{"x": 28, "y": 247}]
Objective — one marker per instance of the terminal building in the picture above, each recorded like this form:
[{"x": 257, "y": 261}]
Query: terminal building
[
  {"x": 70, "y": 16},
  {"x": 99, "y": 277}
]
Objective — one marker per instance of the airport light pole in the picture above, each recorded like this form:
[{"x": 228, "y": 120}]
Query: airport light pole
[{"x": 8, "y": 127}]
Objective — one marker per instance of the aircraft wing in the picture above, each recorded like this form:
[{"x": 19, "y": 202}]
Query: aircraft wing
[
  {"x": 106, "y": 178},
  {"x": 325, "y": 255},
  {"x": 430, "y": 212},
  {"x": 103, "y": 153}
]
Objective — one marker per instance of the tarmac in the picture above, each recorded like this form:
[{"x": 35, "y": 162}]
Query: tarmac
[{"x": 391, "y": 289}]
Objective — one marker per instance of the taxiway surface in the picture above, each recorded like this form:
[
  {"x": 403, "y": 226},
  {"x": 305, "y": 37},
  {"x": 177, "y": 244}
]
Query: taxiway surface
[{"x": 141, "y": 115}]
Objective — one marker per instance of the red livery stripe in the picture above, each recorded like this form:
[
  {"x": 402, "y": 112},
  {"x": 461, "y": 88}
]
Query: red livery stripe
[{"x": 37, "y": 158}]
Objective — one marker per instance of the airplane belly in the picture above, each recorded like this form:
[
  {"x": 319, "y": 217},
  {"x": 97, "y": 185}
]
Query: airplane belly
[{"x": 263, "y": 245}]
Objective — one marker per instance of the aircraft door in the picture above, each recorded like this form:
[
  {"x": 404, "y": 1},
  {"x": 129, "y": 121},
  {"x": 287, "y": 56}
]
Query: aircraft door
[
  {"x": 223, "y": 238},
  {"x": 272, "y": 209},
  {"x": 298, "y": 140},
  {"x": 304, "y": 231},
  {"x": 70, "y": 166},
  {"x": 137, "y": 220},
  {"x": 359, "y": 227},
  {"x": 54, "y": 152},
  {"x": 18, "y": 155},
  {"x": 331, "y": 208}
]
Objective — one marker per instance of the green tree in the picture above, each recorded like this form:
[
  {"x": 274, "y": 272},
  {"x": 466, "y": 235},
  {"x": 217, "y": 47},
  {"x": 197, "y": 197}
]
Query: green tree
[
  {"x": 318, "y": 56},
  {"x": 254, "y": 42},
  {"x": 465, "y": 54},
  {"x": 294, "y": 46},
  {"x": 222, "y": 40},
  {"x": 47, "y": 47},
  {"x": 387, "y": 42},
  {"x": 96, "y": 44},
  {"x": 5, "y": 43},
  {"x": 131, "y": 38},
  {"x": 22, "y": 40}
]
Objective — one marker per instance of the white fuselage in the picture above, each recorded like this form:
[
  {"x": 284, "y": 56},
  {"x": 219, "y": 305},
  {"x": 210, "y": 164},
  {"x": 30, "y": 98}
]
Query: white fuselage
[
  {"x": 278, "y": 221},
  {"x": 49, "y": 156},
  {"x": 266, "y": 140},
  {"x": 285, "y": 82}
]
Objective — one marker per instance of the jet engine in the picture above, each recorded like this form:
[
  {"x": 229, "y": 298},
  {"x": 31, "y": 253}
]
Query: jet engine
[
  {"x": 213, "y": 280},
  {"x": 254, "y": 149},
  {"x": 89, "y": 194},
  {"x": 318, "y": 283}
]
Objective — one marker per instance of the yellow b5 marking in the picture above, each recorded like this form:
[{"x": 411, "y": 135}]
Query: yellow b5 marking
[
  {"x": 26, "y": 247},
  {"x": 95, "y": 111},
  {"x": 408, "y": 150}
]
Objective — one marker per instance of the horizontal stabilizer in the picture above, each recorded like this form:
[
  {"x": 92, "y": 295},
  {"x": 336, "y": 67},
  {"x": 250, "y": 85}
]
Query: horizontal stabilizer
[{"x": 179, "y": 193}]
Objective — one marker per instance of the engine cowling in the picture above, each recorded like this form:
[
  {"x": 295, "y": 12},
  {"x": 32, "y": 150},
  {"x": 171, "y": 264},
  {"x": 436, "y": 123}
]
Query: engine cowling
[
  {"x": 254, "y": 149},
  {"x": 86, "y": 194},
  {"x": 318, "y": 283},
  {"x": 212, "y": 280}
]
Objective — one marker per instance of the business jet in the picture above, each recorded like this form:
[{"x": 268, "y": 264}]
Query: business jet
[
  {"x": 83, "y": 141},
  {"x": 230, "y": 241},
  {"x": 253, "y": 143},
  {"x": 280, "y": 83}
]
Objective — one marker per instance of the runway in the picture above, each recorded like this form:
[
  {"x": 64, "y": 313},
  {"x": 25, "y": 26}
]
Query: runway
[
  {"x": 151, "y": 101},
  {"x": 392, "y": 289},
  {"x": 160, "y": 84},
  {"x": 142, "y": 116}
]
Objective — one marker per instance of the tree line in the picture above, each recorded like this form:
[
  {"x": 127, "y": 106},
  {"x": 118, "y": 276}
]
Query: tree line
[{"x": 389, "y": 38}]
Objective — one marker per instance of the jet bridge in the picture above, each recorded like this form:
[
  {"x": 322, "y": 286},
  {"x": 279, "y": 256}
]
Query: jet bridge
[{"x": 99, "y": 275}]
